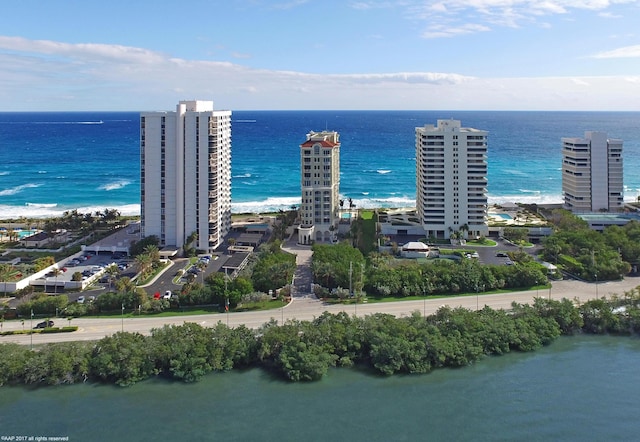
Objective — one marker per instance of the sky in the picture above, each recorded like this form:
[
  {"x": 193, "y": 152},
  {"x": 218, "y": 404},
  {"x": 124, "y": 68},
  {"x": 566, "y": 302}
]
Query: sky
[{"x": 136, "y": 55}]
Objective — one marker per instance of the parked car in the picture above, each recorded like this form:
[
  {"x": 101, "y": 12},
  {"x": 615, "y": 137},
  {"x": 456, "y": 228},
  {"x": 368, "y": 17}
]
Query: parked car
[
  {"x": 502, "y": 254},
  {"x": 81, "y": 299},
  {"x": 167, "y": 295},
  {"x": 44, "y": 324}
]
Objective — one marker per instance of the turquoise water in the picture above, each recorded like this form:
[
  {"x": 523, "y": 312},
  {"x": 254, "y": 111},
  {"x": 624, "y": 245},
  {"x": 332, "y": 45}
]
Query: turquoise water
[
  {"x": 25, "y": 233},
  {"x": 55, "y": 161},
  {"x": 579, "y": 388},
  {"x": 505, "y": 216}
]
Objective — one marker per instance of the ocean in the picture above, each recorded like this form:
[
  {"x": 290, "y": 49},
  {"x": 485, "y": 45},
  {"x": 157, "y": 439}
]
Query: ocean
[{"x": 56, "y": 161}]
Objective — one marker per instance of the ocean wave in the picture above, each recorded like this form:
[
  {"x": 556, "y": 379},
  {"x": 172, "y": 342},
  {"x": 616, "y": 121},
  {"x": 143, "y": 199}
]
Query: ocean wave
[
  {"x": 379, "y": 171},
  {"x": 4, "y": 172},
  {"x": 533, "y": 198},
  {"x": 125, "y": 209},
  {"x": 515, "y": 172},
  {"x": 53, "y": 210},
  {"x": 42, "y": 171},
  {"x": 371, "y": 203},
  {"x": 269, "y": 205},
  {"x": 41, "y": 205},
  {"x": 244, "y": 175},
  {"x": 18, "y": 189},
  {"x": 114, "y": 185}
]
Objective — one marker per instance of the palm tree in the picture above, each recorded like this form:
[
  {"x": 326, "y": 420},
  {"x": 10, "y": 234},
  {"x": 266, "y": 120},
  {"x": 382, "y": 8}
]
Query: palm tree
[
  {"x": 143, "y": 262},
  {"x": 201, "y": 266},
  {"x": 56, "y": 271},
  {"x": 324, "y": 271},
  {"x": 12, "y": 234},
  {"x": 125, "y": 285},
  {"x": 112, "y": 271},
  {"x": 153, "y": 252},
  {"x": 464, "y": 228}
]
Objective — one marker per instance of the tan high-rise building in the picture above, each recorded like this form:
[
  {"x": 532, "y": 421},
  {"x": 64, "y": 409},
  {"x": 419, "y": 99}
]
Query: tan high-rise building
[
  {"x": 592, "y": 175},
  {"x": 451, "y": 179},
  {"x": 185, "y": 174},
  {"x": 320, "y": 187}
]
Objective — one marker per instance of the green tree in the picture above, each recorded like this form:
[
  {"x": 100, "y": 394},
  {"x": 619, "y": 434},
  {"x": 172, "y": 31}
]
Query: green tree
[
  {"x": 138, "y": 247},
  {"x": 60, "y": 363},
  {"x": 123, "y": 358},
  {"x": 13, "y": 358},
  {"x": 183, "y": 352}
]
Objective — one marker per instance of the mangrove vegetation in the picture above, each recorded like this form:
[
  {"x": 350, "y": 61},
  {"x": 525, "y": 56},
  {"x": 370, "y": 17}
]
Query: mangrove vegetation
[{"x": 306, "y": 350}]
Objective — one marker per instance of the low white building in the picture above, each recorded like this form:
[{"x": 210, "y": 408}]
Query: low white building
[{"x": 415, "y": 249}]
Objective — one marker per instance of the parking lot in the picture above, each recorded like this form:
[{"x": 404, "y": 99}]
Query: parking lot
[{"x": 90, "y": 265}]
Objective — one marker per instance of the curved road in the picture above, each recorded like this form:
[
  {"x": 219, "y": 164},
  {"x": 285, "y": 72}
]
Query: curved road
[{"x": 305, "y": 307}]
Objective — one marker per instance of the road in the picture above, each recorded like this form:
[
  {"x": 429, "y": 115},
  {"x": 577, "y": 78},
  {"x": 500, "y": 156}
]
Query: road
[{"x": 306, "y": 308}]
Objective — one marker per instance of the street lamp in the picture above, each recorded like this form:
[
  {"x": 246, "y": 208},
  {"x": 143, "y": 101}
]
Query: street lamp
[
  {"x": 31, "y": 331},
  {"x": 424, "y": 305}
]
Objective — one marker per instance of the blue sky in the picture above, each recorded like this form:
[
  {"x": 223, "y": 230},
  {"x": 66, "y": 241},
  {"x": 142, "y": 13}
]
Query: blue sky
[{"x": 320, "y": 54}]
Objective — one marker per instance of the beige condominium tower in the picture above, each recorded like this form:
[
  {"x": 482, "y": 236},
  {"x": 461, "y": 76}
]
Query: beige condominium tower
[
  {"x": 320, "y": 187},
  {"x": 592, "y": 173},
  {"x": 185, "y": 173},
  {"x": 451, "y": 180}
]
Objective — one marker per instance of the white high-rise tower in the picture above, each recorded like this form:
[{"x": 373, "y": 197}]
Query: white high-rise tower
[
  {"x": 592, "y": 173},
  {"x": 185, "y": 165},
  {"x": 451, "y": 179}
]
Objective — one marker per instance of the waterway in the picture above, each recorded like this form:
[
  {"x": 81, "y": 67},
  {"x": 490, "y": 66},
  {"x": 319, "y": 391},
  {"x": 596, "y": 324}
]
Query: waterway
[{"x": 579, "y": 388}]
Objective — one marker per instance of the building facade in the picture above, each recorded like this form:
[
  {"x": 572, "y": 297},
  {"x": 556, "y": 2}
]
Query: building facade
[
  {"x": 320, "y": 187},
  {"x": 451, "y": 180},
  {"x": 592, "y": 178},
  {"x": 185, "y": 161}
]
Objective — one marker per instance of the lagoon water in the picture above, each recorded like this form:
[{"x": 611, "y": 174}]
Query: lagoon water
[{"x": 579, "y": 388}]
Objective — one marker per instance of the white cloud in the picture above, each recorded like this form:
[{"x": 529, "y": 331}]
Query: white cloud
[
  {"x": 508, "y": 13},
  {"x": 579, "y": 82},
  {"x": 625, "y": 52},
  {"x": 98, "y": 52},
  {"x": 609, "y": 15},
  {"x": 441, "y": 31},
  {"x": 39, "y": 75}
]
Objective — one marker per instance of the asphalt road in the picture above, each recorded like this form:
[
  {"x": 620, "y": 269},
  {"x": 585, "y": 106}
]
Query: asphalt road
[{"x": 305, "y": 308}]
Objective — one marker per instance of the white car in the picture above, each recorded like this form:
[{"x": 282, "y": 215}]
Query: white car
[
  {"x": 167, "y": 295},
  {"x": 80, "y": 299}
]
